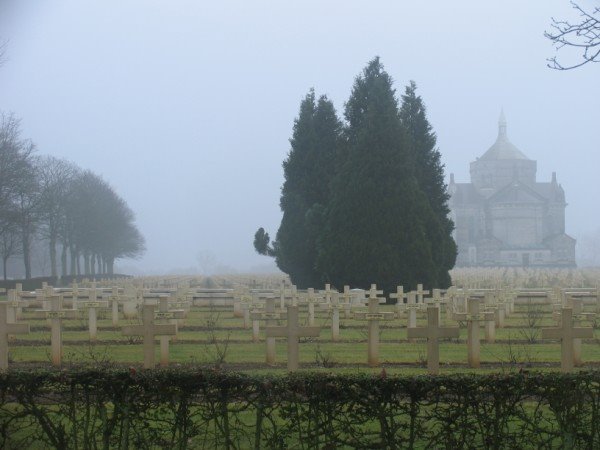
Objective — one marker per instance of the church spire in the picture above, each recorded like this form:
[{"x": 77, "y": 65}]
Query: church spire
[{"x": 502, "y": 125}]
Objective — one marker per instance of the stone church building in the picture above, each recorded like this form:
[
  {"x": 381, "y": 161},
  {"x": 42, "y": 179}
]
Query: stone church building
[{"x": 504, "y": 217}]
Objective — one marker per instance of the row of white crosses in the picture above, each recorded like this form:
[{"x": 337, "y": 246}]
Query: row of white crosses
[{"x": 149, "y": 329}]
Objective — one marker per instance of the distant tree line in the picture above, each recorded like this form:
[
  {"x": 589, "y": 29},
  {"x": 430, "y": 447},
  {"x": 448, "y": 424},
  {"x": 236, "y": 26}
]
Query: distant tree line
[
  {"x": 364, "y": 200},
  {"x": 84, "y": 222}
]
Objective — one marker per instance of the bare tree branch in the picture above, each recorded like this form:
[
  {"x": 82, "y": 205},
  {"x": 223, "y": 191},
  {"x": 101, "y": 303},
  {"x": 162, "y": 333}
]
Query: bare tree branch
[{"x": 583, "y": 36}]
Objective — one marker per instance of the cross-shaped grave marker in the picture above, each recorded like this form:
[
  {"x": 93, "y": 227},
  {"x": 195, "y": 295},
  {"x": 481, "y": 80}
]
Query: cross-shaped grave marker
[
  {"x": 14, "y": 306},
  {"x": 576, "y": 304},
  {"x": 256, "y": 315},
  {"x": 237, "y": 301},
  {"x": 432, "y": 333},
  {"x": 436, "y": 300},
  {"x": 246, "y": 300},
  {"x": 420, "y": 293},
  {"x": 346, "y": 301},
  {"x": 92, "y": 305},
  {"x": 399, "y": 295},
  {"x": 333, "y": 304},
  {"x": 292, "y": 331},
  {"x": 149, "y": 330},
  {"x": 56, "y": 314},
  {"x": 373, "y": 316},
  {"x": 311, "y": 299},
  {"x": 165, "y": 315},
  {"x": 7, "y": 329},
  {"x": 472, "y": 317},
  {"x": 114, "y": 300},
  {"x": 270, "y": 316},
  {"x": 282, "y": 295},
  {"x": 411, "y": 306},
  {"x": 567, "y": 333}
]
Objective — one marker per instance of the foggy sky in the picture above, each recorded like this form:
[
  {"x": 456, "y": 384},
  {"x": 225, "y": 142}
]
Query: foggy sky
[{"x": 186, "y": 107}]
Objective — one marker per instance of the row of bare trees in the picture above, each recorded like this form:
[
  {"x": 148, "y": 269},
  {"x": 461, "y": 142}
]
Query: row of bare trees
[{"x": 83, "y": 221}]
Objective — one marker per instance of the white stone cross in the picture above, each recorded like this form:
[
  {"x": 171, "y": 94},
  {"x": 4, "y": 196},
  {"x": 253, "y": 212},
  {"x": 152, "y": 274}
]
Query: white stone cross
[
  {"x": 246, "y": 301},
  {"x": 432, "y": 333},
  {"x": 347, "y": 301},
  {"x": 334, "y": 307},
  {"x": 292, "y": 331},
  {"x": 373, "y": 316},
  {"x": 92, "y": 306},
  {"x": 411, "y": 306},
  {"x": 420, "y": 293},
  {"x": 271, "y": 317},
  {"x": 7, "y": 329},
  {"x": 436, "y": 300},
  {"x": 114, "y": 299},
  {"x": 256, "y": 315},
  {"x": 14, "y": 306},
  {"x": 567, "y": 333},
  {"x": 56, "y": 314},
  {"x": 149, "y": 330},
  {"x": 282, "y": 292},
  {"x": 237, "y": 302},
  {"x": 399, "y": 295},
  {"x": 166, "y": 315},
  {"x": 311, "y": 299},
  {"x": 472, "y": 317},
  {"x": 576, "y": 304}
]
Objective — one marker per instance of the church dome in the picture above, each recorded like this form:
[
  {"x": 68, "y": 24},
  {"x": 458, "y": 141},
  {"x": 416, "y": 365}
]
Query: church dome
[{"x": 503, "y": 148}]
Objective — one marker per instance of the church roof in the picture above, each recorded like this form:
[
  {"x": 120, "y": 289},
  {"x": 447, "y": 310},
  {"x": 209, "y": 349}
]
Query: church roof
[
  {"x": 503, "y": 148},
  {"x": 517, "y": 192}
]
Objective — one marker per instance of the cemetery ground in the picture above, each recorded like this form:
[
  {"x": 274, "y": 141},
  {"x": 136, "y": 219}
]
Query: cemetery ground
[
  {"x": 211, "y": 336},
  {"x": 368, "y": 388}
]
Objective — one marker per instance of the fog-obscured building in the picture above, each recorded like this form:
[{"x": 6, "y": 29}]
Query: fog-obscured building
[{"x": 505, "y": 217}]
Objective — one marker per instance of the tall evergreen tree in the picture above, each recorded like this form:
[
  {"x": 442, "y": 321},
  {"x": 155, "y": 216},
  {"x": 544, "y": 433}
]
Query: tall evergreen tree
[
  {"x": 374, "y": 227},
  {"x": 429, "y": 172},
  {"x": 308, "y": 170}
]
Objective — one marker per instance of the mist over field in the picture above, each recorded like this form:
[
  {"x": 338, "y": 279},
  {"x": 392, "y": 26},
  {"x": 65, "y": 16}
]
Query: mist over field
[{"x": 186, "y": 108}]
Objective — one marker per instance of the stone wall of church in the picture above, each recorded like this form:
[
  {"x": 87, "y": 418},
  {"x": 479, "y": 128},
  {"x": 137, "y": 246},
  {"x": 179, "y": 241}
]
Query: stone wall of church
[{"x": 518, "y": 225}]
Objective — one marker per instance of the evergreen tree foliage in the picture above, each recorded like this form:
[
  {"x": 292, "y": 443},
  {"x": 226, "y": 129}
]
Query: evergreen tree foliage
[
  {"x": 375, "y": 223},
  {"x": 308, "y": 170},
  {"x": 429, "y": 172}
]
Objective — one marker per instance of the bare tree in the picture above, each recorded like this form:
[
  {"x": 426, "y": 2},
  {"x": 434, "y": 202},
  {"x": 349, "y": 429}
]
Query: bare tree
[
  {"x": 582, "y": 36},
  {"x": 10, "y": 245},
  {"x": 56, "y": 176},
  {"x": 101, "y": 225},
  {"x": 17, "y": 184}
]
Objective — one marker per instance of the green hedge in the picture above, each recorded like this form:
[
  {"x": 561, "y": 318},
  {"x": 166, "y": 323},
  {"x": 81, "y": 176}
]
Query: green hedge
[{"x": 204, "y": 409}]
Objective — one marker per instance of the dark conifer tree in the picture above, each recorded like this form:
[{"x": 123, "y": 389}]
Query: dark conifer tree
[
  {"x": 429, "y": 172},
  {"x": 374, "y": 223},
  {"x": 308, "y": 170}
]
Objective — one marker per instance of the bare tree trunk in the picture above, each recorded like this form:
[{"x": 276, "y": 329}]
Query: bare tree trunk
[
  {"x": 86, "y": 262},
  {"x": 78, "y": 260},
  {"x": 73, "y": 270},
  {"x": 27, "y": 253},
  {"x": 100, "y": 265},
  {"x": 5, "y": 262},
  {"x": 63, "y": 260},
  {"x": 53, "y": 270},
  {"x": 111, "y": 266},
  {"x": 92, "y": 264}
]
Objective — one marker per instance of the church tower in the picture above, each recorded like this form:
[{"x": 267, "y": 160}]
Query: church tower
[{"x": 504, "y": 217}]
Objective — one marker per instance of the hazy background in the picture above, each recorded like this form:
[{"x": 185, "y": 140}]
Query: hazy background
[{"x": 186, "y": 107}]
